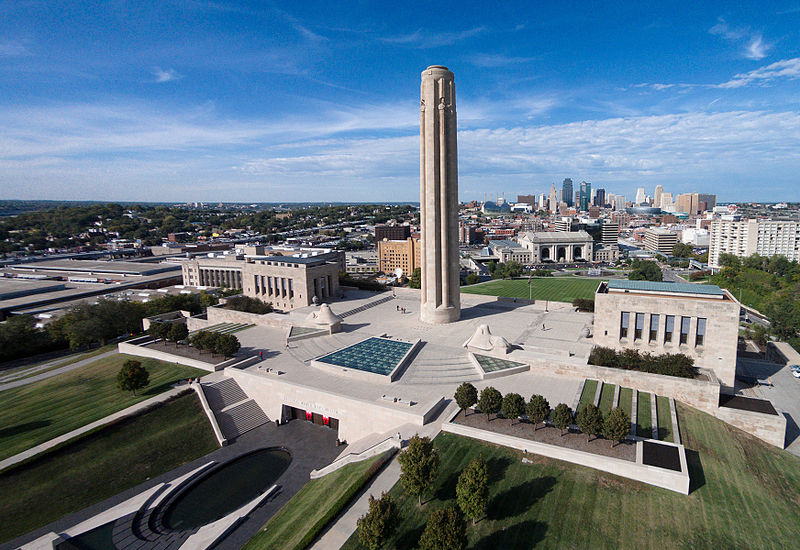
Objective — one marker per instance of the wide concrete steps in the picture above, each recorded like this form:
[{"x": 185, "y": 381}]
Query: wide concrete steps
[
  {"x": 365, "y": 307},
  {"x": 306, "y": 350},
  {"x": 223, "y": 394},
  {"x": 240, "y": 418},
  {"x": 439, "y": 369}
]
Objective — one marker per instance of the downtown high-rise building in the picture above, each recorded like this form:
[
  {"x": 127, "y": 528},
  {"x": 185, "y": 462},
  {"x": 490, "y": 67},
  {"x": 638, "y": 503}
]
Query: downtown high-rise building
[
  {"x": 641, "y": 197},
  {"x": 657, "y": 195},
  {"x": 585, "y": 196},
  {"x": 567, "y": 192},
  {"x": 600, "y": 197},
  {"x": 553, "y": 199}
]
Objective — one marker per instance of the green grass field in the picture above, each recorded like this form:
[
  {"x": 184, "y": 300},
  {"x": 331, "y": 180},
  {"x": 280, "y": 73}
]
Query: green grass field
[
  {"x": 664, "y": 418},
  {"x": 606, "y": 398},
  {"x": 40, "y": 411},
  {"x": 644, "y": 424},
  {"x": 102, "y": 464},
  {"x": 626, "y": 400},
  {"x": 313, "y": 507},
  {"x": 745, "y": 494},
  {"x": 555, "y": 289},
  {"x": 26, "y": 371},
  {"x": 587, "y": 395}
]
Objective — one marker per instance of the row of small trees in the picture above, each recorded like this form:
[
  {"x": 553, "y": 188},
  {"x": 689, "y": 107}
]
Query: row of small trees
[
  {"x": 445, "y": 529},
  {"x": 173, "y": 332},
  {"x": 215, "y": 342},
  {"x": 614, "y": 427}
]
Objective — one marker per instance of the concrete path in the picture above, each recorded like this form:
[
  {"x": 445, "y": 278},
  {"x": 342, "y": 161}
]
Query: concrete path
[
  {"x": 133, "y": 409},
  {"x": 55, "y": 372}
]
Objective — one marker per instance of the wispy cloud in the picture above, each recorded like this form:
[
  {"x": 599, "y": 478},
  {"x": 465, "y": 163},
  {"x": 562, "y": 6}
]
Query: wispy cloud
[
  {"x": 752, "y": 43},
  {"x": 757, "y": 48},
  {"x": 497, "y": 60},
  {"x": 429, "y": 39},
  {"x": 726, "y": 31},
  {"x": 11, "y": 48},
  {"x": 165, "y": 75},
  {"x": 785, "y": 68}
]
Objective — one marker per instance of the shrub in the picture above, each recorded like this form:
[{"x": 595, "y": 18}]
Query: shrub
[
  {"x": 177, "y": 332},
  {"x": 490, "y": 401},
  {"x": 227, "y": 345},
  {"x": 562, "y": 417},
  {"x": 670, "y": 364},
  {"x": 466, "y": 396},
  {"x": 513, "y": 406},
  {"x": 590, "y": 420},
  {"x": 538, "y": 409},
  {"x": 616, "y": 426},
  {"x": 247, "y": 304},
  {"x": 472, "y": 278},
  {"x": 582, "y": 304}
]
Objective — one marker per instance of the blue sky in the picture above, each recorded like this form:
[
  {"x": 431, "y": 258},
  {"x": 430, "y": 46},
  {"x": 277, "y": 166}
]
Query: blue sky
[{"x": 297, "y": 101}]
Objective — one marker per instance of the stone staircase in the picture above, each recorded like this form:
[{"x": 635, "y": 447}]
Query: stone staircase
[
  {"x": 305, "y": 350},
  {"x": 439, "y": 365},
  {"x": 235, "y": 412},
  {"x": 365, "y": 307}
]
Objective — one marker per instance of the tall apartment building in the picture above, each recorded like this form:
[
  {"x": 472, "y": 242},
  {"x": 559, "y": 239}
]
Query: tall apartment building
[
  {"x": 744, "y": 238},
  {"x": 567, "y": 192},
  {"x": 609, "y": 233},
  {"x": 658, "y": 239},
  {"x": 709, "y": 200},
  {"x": 399, "y": 254},
  {"x": 683, "y": 203}
]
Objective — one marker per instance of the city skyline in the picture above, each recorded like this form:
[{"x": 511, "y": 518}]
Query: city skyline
[{"x": 241, "y": 102}]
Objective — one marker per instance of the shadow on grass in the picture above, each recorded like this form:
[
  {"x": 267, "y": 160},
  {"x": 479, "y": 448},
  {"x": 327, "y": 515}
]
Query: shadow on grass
[
  {"x": 496, "y": 468},
  {"x": 155, "y": 390},
  {"x": 526, "y": 534},
  {"x": 409, "y": 539},
  {"x": 22, "y": 428},
  {"x": 519, "y": 498},
  {"x": 697, "y": 477}
]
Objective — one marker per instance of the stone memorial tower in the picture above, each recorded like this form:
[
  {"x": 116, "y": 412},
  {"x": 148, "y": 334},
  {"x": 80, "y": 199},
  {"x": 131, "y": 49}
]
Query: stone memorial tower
[{"x": 441, "y": 301}]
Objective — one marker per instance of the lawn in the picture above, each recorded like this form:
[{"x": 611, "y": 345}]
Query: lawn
[
  {"x": 42, "y": 410},
  {"x": 626, "y": 400},
  {"x": 26, "y": 371},
  {"x": 587, "y": 395},
  {"x": 644, "y": 424},
  {"x": 309, "y": 511},
  {"x": 606, "y": 398},
  {"x": 555, "y": 289},
  {"x": 745, "y": 494},
  {"x": 102, "y": 464},
  {"x": 664, "y": 418}
]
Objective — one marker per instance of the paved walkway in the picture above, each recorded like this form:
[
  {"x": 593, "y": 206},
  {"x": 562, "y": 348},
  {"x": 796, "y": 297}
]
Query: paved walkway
[
  {"x": 133, "y": 409},
  {"x": 54, "y": 372},
  {"x": 345, "y": 525}
]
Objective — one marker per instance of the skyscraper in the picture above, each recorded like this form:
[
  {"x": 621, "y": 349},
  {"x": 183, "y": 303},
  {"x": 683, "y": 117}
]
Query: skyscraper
[
  {"x": 566, "y": 191},
  {"x": 553, "y": 199},
  {"x": 659, "y": 192},
  {"x": 585, "y": 195},
  {"x": 641, "y": 196},
  {"x": 440, "y": 298},
  {"x": 600, "y": 197}
]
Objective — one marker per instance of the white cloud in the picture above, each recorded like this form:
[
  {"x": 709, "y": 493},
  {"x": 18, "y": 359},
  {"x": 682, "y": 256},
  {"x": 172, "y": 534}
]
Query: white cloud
[
  {"x": 430, "y": 39},
  {"x": 726, "y": 31},
  {"x": 10, "y": 48},
  {"x": 757, "y": 48},
  {"x": 497, "y": 60},
  {"x": 165, "y": 75},
  {"x": 785, "y": 68},
  {"x": 752, "y": 43}
]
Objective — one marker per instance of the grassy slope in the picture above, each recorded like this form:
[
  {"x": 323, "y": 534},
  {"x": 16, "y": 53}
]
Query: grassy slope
[
  {"x": 626, "y": 400},
  {"x": 644, "y": 423},
  {"x": 746, "y": 494},
  {"x": 309, "y": 506},
  {"x": 21, "y": 373},
  {"x": 606, "y": 398},
  {"x": 103, "y": 464},
  {"x": 587, "y": 395},
  {"x": 46, "y": 409},
  {"x": 555, "y": 289},
  {"x": 664, "y": 418}
]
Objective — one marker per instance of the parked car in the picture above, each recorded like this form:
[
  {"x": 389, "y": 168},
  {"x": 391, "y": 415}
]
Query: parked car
[{"x": 795, "y": 370}]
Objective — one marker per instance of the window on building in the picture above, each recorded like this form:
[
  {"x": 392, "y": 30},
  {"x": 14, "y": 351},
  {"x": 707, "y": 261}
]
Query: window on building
[
  {"x": 669, "y": 327},
  {"x": 685, "y": 329},
  {"x": 701, "y": 332},
  {"x": 623, "y": 324},
  {"x": 653, "y": 328},
  {"x": 639, "y": 328}
]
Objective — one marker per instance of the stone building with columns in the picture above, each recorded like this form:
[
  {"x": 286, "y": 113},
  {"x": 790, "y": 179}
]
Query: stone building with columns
[
  {"x": 701, "y": 321},
  {"x": 287, "y": 278},
  {"x": 558, "y": 246}
]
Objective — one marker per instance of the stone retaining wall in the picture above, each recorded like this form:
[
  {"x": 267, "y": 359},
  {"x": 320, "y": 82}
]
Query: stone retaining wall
[
  {"x": 141, "y": 351},
  {"x": 767, "y": 427},
  {"x": 218, "y": 315}
]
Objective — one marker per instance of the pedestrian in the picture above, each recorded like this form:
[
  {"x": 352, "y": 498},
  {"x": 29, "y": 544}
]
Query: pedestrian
[
  {"x": 261, "y": 355},
  {"x": 398, "y": 436},
  {"x": 397, "y": 308},
  {"x": 543, "y": 327},
  {"x": 287, "y": 343}
]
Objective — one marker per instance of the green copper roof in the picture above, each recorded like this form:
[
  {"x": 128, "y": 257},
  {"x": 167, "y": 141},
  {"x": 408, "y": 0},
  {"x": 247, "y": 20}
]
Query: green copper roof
[{"x": 651, "y": 286}]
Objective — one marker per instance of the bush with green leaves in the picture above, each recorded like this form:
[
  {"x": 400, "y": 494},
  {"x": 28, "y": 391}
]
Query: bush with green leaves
[
  {"x": 513, "y": 406},
  {"x": 668, "y": 364},
  {"x": 419, "y": 463},
  {"x": 158, "y": 329},
  {"x": 562, "y": 417},
  {"x": 590, "y": 421},
  {"x": 616, "y": 426},
  {"x": 132, "y": 376},
  {"x": 472, "y": 279},
  {"x": 247, "y": 304},
  {"x": 583, "y": 304},
  {"x": 445, "y": 530},
  {"x": 490, "y": 401},
  {"x": 177, "y": 332},
  {"x": 379, "y": 523},
  {"x": 472, "y": 489},
  {"x": 466, "y": 396},
  {"x": 227, "y": 345},
  {"x": 538, "y": 410}
]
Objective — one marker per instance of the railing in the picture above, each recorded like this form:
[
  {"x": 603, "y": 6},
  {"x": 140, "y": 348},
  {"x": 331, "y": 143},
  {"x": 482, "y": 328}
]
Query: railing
[{"x": 390, "y": 442}]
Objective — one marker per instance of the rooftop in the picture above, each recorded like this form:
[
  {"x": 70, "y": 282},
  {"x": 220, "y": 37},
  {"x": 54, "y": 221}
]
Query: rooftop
[
  {"x": 665, "y": 287},
  {"x": 558, "y": 236}
]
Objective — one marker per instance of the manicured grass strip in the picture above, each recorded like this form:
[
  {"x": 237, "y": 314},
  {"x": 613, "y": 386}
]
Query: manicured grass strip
[
  {"x": 555, "y": 289},
  {"x": 587, "y": 395},
  {"x": 606, "y": 398},
  {"x": 102, "y": 464},
  {"x": 664, "y": 418},
  {"x": 57, "y": 365},
  {"x": 40, "y": 411},
  {"x": 307, "y": 513},
  {"x": 626, "y": 400},
  {"x": 644, "y": 424},
  {"x": 739, "y": 485}
]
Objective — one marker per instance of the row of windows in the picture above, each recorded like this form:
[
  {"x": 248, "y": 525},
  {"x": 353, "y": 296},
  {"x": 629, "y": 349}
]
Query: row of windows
[{"x": 669, "y": 328}]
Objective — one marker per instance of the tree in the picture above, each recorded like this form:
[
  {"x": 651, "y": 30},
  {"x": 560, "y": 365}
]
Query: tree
[
  {"x": 616, "y": 426},
  {"x": 472, "y": 489},
  {"x": 466, "y": 396},
  {"x": 379, "y": 523},
  {"x": 590, "y": 420},
  {"x": 538, "y": 410},
  {"x": 418, "y": 466},
  {"x": 227, "y": 345},
  {"x": 562, "y": 417},
  {"x": 177, "y": 332},
  {"x": 132, "y": 376},
  {"x": 490, "y": 401},
  {"x": 472, "y": 278},
  {"x": 248, "y": 305},
  {"x": 682, "y": 250},
  {"x": 513, "y": 406},
  {"x": 583, "y": 304},
  {"x": 645, "y": 270},
  {"x": 445, "y": 530},
  {"x": 416, "y": 278},
  {"x": 157, "y": 329}
]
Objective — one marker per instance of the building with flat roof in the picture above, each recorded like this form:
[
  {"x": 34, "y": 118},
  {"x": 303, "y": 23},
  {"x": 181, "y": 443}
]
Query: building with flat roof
[
  {"x": 744, "y": 238},
  {"x": 392, "y": 232},
  {"x": 286, "y": 277},
  {"x": 558, "y": 246},
  {"x": 510, "y": 251},
  {"x": 403, "y": 255},
  {"x": 658, "y": 239},
  {"x": 662, "y": 317}
]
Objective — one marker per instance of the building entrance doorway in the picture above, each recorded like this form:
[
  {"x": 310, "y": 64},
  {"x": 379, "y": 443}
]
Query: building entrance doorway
[{"x": 294, "y": 413}]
